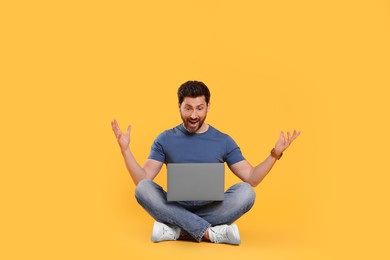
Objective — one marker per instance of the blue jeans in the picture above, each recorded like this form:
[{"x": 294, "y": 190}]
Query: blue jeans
[{"x": 195, "y": 217}]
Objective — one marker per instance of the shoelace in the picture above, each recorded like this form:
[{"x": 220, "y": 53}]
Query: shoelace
[
  {"x": 220, "y": 236},
  {"x": 168, "y": 233}
]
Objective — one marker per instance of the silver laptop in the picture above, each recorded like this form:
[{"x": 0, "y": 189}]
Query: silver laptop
[{"x": 196, "y": 181}]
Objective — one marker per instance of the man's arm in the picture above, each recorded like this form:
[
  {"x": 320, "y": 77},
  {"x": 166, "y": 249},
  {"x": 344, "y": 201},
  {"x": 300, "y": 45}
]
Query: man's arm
[
  {"x": 151, "y": 167},
  {"x": 254, "y": 175}
]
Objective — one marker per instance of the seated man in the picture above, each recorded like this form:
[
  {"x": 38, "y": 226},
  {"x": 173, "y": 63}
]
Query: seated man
[{"x": 195, "y": 141}]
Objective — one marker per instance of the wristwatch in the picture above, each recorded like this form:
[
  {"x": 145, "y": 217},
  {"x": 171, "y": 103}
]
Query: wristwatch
[{"x": 273, "y": 154}]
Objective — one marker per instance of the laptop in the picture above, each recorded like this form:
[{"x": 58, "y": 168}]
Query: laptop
[{"x": 195, "y": 181}]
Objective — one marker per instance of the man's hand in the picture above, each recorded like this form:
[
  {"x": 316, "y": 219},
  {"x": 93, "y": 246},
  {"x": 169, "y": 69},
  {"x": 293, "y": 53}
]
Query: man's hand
[
  {"x": 122, "y": 138},
  {"x": 284, "y": 142}
]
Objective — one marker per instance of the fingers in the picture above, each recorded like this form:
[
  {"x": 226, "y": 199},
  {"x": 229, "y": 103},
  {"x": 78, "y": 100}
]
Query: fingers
[
  {"x": 115, "y": 128},
  {"x": 287, "y": 141},
  {"x": 117, "y": 131},
  {"x": 282, "y": 137},
  {"x": 114, "y": 125},
  {"x": 295, "y": 135}
]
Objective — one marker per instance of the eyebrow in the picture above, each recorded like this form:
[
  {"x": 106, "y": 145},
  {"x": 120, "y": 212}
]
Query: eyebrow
[{"x": 187, "y": 105}]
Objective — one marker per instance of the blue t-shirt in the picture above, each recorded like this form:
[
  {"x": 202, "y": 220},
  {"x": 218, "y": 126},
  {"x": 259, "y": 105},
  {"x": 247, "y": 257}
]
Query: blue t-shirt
[{"x": 177, "y": 145}]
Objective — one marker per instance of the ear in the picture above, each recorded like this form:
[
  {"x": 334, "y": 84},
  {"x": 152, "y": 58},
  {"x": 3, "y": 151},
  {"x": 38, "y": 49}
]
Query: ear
[{"x": 208, "y": 106}]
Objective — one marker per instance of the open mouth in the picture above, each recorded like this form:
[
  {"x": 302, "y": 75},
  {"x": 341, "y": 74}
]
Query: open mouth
[{"x": 193, "y": 123}]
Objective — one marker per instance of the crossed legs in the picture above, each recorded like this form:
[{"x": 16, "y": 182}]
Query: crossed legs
[{"x": 195, "y": 217}]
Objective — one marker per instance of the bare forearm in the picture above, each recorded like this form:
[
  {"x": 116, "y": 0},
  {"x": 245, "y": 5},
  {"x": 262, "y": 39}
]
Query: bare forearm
[
  {"x": 254, "y": 175},
  {"x": 260, "y": 171},
  {"x": 137, "y": 173}
]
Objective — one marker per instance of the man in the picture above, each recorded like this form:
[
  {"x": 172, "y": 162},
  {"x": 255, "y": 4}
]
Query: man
[{"x": 195, "y": 141}]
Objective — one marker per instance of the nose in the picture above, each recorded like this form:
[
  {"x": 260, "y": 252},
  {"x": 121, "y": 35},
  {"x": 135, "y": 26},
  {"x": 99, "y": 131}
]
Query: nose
[{"x": 193, "y": 115}]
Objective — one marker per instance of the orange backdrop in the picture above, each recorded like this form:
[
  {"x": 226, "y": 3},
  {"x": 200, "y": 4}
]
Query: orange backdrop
[{"x": 69, "y": 67}]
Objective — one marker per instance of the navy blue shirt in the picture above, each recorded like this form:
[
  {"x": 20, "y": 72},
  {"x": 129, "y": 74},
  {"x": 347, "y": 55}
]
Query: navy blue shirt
[{"x": 177, "y": 145}]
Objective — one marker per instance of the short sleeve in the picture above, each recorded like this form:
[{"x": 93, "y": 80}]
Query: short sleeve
[
  {"x": 233, "y": 152},
  {"x": 157, "y": 149}
]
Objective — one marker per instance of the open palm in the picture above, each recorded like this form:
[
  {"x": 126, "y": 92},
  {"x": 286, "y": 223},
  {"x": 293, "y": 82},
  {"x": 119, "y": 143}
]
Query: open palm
[
  {"x": 284, "y": 141},
  {"x": 122, "y": 138}
]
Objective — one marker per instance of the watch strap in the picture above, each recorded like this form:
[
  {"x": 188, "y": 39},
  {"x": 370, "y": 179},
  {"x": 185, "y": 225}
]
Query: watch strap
[{"x": 273, "y": 154}]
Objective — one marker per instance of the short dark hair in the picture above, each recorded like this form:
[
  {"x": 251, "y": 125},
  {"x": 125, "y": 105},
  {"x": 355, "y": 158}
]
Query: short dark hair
[{"x": 193, "y": 89}]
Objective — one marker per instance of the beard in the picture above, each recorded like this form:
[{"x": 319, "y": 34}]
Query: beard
[{"x": 193, "y": 125}]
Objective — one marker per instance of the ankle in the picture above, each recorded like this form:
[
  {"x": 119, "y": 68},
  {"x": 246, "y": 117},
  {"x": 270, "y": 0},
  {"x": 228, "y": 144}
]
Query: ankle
[{"x": 206, "y": 234}]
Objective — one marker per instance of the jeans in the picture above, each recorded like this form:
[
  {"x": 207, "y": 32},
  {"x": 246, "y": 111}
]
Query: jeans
[{"x": 195, "y": 217}]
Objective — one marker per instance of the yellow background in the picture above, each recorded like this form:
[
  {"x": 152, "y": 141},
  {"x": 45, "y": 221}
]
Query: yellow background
[{"x": 69, "y": 67}]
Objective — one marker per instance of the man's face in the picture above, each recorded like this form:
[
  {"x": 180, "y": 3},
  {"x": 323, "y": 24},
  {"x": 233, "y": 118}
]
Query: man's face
[{"x": 193, "y": 112}]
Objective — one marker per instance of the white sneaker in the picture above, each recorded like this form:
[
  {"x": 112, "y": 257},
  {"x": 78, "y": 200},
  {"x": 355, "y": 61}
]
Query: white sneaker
[
  {"x": 225, "y": 234},
  {"x": 163, "y": 232}
]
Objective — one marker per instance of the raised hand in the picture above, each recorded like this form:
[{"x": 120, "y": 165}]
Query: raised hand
[
  {"x": 122, "y": 138},
  {"x": 284, "y": 141}
]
